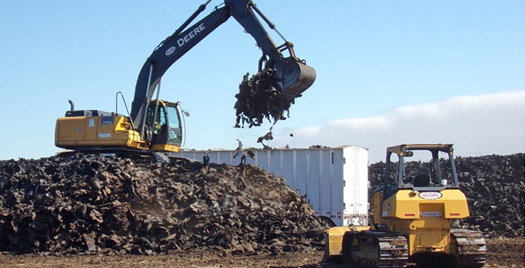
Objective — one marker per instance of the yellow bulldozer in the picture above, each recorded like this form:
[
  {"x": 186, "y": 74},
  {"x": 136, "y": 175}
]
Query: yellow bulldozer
[{"x": 413, "y": 213}]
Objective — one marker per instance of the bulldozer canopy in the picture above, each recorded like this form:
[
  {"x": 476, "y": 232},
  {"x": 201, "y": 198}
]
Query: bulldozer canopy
[{"x": 398, "y": 149}]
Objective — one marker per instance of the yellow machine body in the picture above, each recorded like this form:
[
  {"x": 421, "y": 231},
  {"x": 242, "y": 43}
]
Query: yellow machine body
[
  {"x": 424, "y": 217},
  {"x": 413, "y": 213},
  {"x": 334, "y": 240},
  {"x": 89, "y": 131},
  {"x": 86, "y": 130}
]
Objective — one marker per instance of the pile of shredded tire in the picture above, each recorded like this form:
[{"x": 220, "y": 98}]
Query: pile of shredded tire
[{"x": 89, "y": 203}]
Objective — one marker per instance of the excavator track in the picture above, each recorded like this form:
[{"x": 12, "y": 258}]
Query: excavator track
[
  {"x": 152, "y": 156},
  {"x": 471, "y": 247},
  {"x": 375, "y": 249}
]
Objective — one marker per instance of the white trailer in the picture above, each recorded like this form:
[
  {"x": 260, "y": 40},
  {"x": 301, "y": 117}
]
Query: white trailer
[{"x": 334, "y": 181}]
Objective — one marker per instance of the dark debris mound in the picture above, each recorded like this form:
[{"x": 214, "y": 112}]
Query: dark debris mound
[
  {"x": 97, "y": 204},
  {"x": 258, "y": 98},
  {"x": 495, "y": 189}
]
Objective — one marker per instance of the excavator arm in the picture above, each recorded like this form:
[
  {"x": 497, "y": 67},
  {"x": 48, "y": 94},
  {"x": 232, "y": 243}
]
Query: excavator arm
[
  {"x": 295, "y": 77},
  {"x": 292, "y": 76}
]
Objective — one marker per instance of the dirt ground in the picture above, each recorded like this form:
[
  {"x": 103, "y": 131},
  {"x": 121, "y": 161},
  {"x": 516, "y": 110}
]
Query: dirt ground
[{"x": 501, "y": 253}]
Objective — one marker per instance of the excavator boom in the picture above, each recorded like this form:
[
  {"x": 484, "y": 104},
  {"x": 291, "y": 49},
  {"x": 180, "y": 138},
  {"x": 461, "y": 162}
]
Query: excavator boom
[{"x": 292, "y": 76}]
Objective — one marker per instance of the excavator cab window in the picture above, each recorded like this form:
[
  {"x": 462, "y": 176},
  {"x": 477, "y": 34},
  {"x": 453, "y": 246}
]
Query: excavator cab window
[
  {"x": 164, "y": 124},
  {"x": 174, "y": 129},
  {"x": 156, "y": 123},
  {"x": 160, "y": 122}
]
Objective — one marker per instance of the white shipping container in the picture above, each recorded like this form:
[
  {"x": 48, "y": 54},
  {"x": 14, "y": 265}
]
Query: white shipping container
[{"x": 334, "y": 181}]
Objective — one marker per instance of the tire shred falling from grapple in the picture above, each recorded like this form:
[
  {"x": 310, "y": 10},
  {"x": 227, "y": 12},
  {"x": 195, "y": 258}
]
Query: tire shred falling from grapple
[{"x": 258, "y": 99}]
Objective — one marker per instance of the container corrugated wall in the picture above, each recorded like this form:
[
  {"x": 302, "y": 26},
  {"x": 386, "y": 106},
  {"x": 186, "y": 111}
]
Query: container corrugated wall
[{"x": 334, "y": 181}]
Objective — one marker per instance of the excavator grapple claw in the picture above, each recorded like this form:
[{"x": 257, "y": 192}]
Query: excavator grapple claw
[
  {"x": 270, "y": 92},
  {"x": 295, "y": 76}
]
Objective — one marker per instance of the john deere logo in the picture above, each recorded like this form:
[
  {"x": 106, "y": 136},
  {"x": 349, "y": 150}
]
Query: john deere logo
[{"x": 169, "y": 51}]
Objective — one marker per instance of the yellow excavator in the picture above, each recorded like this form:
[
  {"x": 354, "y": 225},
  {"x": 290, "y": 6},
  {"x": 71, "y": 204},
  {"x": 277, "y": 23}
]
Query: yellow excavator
[
  {"x": 154, "y": 125},
  {"x": 413, "y": 212}
]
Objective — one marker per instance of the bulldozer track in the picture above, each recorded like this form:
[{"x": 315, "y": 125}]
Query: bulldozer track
[
  {"x": 472, "y": 250},
  {"x": 393, "y": 251},
  {"x": 378, "y": 250}
]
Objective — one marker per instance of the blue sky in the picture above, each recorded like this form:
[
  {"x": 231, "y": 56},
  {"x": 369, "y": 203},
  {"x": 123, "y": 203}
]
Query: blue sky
[{"x": 380, "y": 66}]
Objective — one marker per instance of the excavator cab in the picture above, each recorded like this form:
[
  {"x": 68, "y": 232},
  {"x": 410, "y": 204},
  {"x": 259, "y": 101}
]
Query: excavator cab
[{"x": 163, "y": 126}]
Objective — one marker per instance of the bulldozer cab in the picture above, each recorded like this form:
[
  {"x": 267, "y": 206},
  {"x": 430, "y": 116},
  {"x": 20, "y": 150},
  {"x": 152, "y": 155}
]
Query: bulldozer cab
[
  {"x": 163, "y": 126},
  {"x": 420, "y": 167}
]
